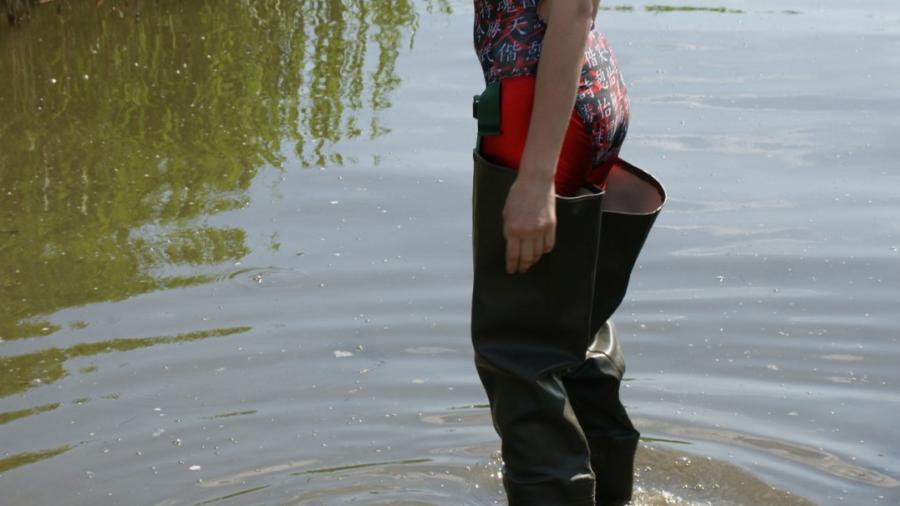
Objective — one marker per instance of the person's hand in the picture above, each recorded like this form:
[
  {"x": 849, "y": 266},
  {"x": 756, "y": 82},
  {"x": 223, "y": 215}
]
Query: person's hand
[
  {"x": 529, "y": 221},
  {"x": 529, "y": 214}
]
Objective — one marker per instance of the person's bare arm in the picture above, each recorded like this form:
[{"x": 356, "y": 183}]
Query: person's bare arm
[{"x": 529, "y": 213}]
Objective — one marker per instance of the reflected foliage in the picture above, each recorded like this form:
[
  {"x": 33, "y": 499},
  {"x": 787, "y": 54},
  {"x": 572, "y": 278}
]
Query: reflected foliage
[
  {"x": 21, "y": 459},
  {"x": 19, "y": 373},
  {"x": 8, "y": 416},
  {"x": 16, "y": 10},
  {"x": 125, "y": 125}
]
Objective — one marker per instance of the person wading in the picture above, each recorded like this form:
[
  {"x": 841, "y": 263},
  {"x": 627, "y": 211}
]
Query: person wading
[{"x": 558, "y": 220}]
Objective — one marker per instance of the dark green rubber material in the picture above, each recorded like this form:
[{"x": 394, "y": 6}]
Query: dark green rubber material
[
  {"x": 549, "y": 362},
  {"x": 486, "y": 108}
]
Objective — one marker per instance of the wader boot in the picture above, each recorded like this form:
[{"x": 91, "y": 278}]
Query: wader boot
[
  {"x": 632, "y": 202},
  {"x": 549, "y": 362},
  {"x": 527, "y": 329}
]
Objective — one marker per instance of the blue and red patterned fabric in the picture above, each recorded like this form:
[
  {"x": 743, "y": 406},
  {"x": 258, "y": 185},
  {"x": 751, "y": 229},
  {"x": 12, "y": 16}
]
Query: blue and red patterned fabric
[{"x": 508, "y": 35}]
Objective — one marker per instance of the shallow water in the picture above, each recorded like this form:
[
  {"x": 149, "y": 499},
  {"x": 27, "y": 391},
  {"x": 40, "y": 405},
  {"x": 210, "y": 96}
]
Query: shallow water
[{"x": 236, "y": 254}]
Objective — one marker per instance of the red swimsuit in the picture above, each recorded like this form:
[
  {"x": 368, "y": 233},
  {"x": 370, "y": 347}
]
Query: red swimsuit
[{"x": 508, "y": 36}]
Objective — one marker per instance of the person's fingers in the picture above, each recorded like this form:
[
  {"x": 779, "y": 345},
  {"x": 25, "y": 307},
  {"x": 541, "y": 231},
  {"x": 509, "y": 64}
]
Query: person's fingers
[
  {"x": 538, "y": 250},
  {"x": 526, "y": 254},
  {"x": 549, "y": 239},
  {"x": 513, "y": 245}
]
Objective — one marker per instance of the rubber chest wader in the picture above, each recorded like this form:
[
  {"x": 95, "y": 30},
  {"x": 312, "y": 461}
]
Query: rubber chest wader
[{"x": 545, "y": 350}]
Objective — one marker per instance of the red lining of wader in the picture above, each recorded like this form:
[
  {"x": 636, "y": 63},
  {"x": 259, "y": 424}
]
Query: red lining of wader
[{"x": 574, "y": 165}]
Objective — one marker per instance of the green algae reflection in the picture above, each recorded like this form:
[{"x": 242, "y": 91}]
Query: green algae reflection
[
  {"x": 21, "y": 459},
  {"x": 125, "y": 126},
  {"x": 19, "y": 373},
  {"x": 9, "y": 416}
]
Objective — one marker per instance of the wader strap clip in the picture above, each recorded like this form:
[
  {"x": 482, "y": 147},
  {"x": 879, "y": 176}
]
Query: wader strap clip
[{"x": 486, "y": 109}]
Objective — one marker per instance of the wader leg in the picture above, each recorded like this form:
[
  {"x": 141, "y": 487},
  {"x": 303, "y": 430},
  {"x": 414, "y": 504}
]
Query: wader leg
[
  {"x": 545, "y": 354},
  {"x": 527, "y": 330}
]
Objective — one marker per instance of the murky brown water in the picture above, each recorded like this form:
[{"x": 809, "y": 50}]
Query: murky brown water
[{"x": 236, "y": 258}]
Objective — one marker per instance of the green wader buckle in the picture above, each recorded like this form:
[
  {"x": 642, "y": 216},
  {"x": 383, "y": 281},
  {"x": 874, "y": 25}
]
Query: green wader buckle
[{"x": 486, "y": 108}]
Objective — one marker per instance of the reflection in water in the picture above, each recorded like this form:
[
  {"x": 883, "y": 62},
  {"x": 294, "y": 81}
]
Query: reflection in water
[
  {"x": 690, "y": 8},
  {"x": 686, "y": 8},
  {"x": 230, "y": 414},
  {"x": 122, "y": 127},
  {"x": 20, "y": 459},
  {"x": 19, "y": 373},
  {"x": 15, "y": 10},
  {"x": 357, "y": 466},
  {"x": 233, "y": 495},
  {"x": 22, "y": 413},
  {"x": 814, "y": 457}
]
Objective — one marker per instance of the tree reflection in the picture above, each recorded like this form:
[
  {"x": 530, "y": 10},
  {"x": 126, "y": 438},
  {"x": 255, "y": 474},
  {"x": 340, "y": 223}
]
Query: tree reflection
[{"x": 122, "y": 127}]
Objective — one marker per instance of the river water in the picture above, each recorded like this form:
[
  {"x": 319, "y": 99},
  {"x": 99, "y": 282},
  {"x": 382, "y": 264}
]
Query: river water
[{"x": 236, "y": 264}]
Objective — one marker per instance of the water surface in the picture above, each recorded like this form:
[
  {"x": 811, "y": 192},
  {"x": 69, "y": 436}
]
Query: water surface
[{"x": 237, "y": 267}]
